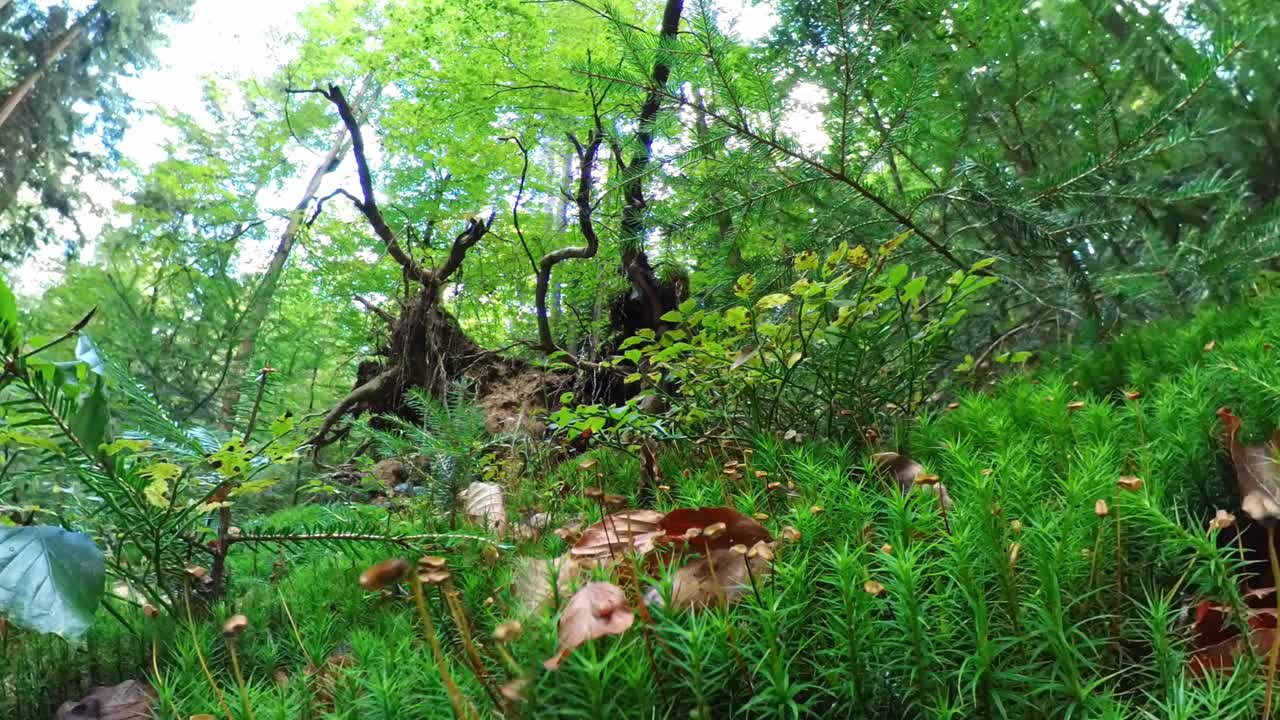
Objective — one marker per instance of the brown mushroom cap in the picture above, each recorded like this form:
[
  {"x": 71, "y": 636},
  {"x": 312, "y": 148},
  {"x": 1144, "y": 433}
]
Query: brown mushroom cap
[
  {"x": 234, "y": 626},
  {"x": 508, "y": 631},
  {"x": 383, "y": 573}
]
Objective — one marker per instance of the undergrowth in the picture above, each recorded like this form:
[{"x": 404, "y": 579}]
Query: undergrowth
[{"x": 1027, "y": 599}]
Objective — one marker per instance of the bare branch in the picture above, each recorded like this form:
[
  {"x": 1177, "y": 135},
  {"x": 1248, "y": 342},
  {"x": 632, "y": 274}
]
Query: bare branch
[
  {"x": 369, "y": 205},
  {"x": 386, "y": 316},
  {"x": 515, "y": 207}
]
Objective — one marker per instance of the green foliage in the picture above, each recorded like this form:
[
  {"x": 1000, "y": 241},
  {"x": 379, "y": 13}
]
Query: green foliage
[
  {"x": 843, "y": 348},
  {"x": 51, "y": 579}
]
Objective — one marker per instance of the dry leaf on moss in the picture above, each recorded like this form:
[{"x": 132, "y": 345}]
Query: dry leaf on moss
[
  {"x": 130, "y": 700},
  {"x": 722, "y": 573},
  {"x": 1257, "y": 473},
  {"x": 906, "y": 472},
  {"x": 597, "y": 610},
  {"x": 617, "y": 534},
  {"x": 484, "y": 505},
  {"x": 531, "y": 581}
]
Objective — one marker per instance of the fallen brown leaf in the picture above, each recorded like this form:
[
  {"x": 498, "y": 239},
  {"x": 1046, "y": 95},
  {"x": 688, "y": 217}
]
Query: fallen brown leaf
[
  {"x": 130, "y": 700},
  {"x": 617, "y": 534},
  {"x": 597, "y": 610},
  {"x": 1257, "y": 474},
  {"x": 720, "y": 576},
  {"x": 485, "y": 505}
]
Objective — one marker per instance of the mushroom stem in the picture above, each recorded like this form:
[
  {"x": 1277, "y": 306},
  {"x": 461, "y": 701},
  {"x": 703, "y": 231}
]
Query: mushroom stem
[
  {"x": 235, "y": 668},
  {"x": 459, "y": 703},
  {"x": 1275, "y": 641},
  {"x": 195, "y": 644}
]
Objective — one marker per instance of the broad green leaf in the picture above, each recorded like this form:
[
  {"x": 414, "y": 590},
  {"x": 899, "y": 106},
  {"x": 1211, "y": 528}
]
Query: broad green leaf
[
  {"x": 282, "y": 425},
  {"x": 894, "y": 275},
  {"x": 744, "y": 285},
  {"x": 913, "y": 289},
  {"x": 232, "y": 459},
  {"x": 983, "y": 263},
  {"x": 806, "y": 261},
  {"x": 672, "y": 316},
  {"x": 89, "y": 423},
  {"x": 19, "y": 438},
  {"x": 51, "y": 579},
  {"x": 119, "y": 445},
  {"x": 253, "y": 487}
]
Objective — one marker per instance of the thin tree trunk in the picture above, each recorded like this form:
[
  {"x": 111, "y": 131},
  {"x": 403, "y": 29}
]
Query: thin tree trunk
[
  {"x": 64, "y": 41},
  {"x": 260, "y": 304}
]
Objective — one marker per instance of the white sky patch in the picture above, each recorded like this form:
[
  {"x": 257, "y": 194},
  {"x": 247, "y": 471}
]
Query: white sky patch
[
  {"x": 750, "y": 20},
  {"x": 804, "y": 117}
]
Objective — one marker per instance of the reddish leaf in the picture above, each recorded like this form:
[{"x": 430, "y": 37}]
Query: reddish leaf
[
  {"x": 739, "y": 529},
  {"x": 597, "y": 610},
  {"x": 1218, "y": 643},
  {"x": 617, "y": 534}
]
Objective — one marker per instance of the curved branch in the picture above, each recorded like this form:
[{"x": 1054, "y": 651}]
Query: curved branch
[
  {"x": 476, "y": 229},
  {"x": 586, "y": 160},
  {"x": 361, "y": 394}
]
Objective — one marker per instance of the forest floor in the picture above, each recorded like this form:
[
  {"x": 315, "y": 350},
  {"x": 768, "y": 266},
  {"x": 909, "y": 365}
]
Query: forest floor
[{"x": 1079, "y": 563}]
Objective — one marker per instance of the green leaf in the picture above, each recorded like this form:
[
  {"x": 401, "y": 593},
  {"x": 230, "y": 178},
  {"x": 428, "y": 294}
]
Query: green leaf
[
  {"x": 163, "y": 472},
  {"x": 10, "y": 333},
  {"x": 672, "y": 316},
  {"x": 19, "y": 438},
  {"x": 806, "y": 261},
  {"x": 51, "y": 579},
  {"x": 89, "y": 424},
  {"x": 894, "y": 275},
  {"x": 913, "y": 289},
  {"x": 983, "y": 263},
  {"x": 118, "y": 446},
  {"x": 282, "y": 424}
]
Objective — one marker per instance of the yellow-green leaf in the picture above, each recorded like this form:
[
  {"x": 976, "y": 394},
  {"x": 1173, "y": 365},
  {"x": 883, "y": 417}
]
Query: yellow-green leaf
[
  {"x": 282, "y": 424},
  {"x": 161, "y": 472},
  {"x": 772, "y": 301},
  {"x": 806, "y": 261},
  {"x": 157, "y": 493}
]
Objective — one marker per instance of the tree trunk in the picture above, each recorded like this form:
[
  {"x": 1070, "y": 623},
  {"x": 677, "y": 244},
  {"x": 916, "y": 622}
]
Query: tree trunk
[
  {"x": 260, "y": 304},
  {"x": 635, "y": 259},
  {"x": 64, "y": 41}
]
